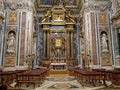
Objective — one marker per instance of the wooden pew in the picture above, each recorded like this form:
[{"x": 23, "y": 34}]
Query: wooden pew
[
  {"x": 111, "y": 75},
  {"x": 90, "y": 76},
  {"x": 115, "y": 77},
  {"x": 118, "y": 69},
  {"x": 7, "y": 77},
  {"x": 32, "y": 77}
]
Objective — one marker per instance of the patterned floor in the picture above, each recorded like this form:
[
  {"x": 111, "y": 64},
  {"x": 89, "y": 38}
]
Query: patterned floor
[{"x": 63, "y": 83}]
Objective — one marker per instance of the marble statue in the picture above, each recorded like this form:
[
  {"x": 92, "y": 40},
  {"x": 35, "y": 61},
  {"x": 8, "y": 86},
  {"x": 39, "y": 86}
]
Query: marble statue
[
  {"x": 104, "y": 42},
  {"x": 10, "y": 43}
]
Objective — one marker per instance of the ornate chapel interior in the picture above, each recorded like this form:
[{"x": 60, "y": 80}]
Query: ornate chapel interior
[{"x": 59, "y": 38}]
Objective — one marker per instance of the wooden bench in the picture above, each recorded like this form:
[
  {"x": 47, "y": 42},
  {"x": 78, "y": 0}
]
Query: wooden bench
[
  {"x": 112, "y": 75},
  {"x": 32, "y": 77},
  {"x": 7, "y": 77},
  {"x": 90, "y": 76},
  {"x": 115, "y": 77}
]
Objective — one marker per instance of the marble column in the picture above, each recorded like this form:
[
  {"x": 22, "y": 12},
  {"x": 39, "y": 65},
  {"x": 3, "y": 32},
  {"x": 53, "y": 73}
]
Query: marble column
[{"x": 1, "y": 37}]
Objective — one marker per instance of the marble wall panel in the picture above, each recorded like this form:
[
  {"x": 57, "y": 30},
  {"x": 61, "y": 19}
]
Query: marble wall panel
[
  {"x": 94, "y": 48},
  {"x": 22, "y": 45}
]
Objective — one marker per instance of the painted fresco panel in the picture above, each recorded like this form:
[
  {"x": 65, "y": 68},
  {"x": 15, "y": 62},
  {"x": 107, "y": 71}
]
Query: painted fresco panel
[
  {"x": 70, "y": 2},
  {"x": 46, "y": 2},
  {"x": 56, "y": 2}
]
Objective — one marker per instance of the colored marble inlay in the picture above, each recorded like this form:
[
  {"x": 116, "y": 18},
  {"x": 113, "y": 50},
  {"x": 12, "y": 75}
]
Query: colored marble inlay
[
  {"x": 94, "y": 50},
  {"x": 22, "y": 38}
]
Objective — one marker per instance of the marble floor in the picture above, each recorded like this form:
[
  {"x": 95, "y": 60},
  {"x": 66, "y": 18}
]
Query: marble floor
[{"x": 62, "y": 83}]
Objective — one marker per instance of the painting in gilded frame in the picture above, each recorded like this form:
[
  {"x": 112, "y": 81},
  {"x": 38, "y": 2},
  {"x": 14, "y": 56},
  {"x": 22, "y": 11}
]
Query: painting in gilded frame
[
  {"x": 56, "y": 2},
  {"x": 57, "y": 42}
]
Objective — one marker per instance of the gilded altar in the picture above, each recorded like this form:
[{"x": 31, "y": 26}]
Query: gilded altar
[{"x": 58, "y": 29}]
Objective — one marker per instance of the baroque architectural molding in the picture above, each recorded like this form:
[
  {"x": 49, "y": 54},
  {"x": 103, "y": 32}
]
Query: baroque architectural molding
[
  {"x": 116, "y": 19},
  {"x": 18, "y": 5},
  {"x": 95, "y": 6}
]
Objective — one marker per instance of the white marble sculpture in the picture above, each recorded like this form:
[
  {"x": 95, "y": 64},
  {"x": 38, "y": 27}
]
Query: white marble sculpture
[
  {"x": 104, "y": 42},
  {"x": 10, "y": 43}
]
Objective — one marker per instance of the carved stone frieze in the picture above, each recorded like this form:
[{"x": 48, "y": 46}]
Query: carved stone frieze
[
  {"x": 95, "y": 6},
  {"x": 18, "y": 5}
]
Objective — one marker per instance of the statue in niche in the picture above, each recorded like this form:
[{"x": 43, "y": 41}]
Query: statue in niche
[
  {"x": 11, "y": 43},
  {"x": 104, "y": 42}
]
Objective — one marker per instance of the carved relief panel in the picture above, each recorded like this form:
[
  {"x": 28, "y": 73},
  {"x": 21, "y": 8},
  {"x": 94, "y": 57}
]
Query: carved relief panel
[
  {"x": 12, "y": 18},
  {"x": 102, "y": 18}
]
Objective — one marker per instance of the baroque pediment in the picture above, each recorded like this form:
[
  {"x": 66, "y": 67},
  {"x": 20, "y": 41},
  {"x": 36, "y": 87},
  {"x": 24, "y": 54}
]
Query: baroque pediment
[
  {"x": 58, "y": 15},
  {"x": 59, "y": 8}
]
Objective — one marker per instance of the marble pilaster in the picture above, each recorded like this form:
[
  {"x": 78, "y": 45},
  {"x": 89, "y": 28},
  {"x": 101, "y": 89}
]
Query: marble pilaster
[{"x": 1, "y": 37}]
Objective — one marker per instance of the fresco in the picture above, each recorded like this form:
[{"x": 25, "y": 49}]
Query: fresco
[
  {"x": 46, "y": 2},
  {"x": 56, "y": 2},
  {"x": 70, "y": 2}
]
